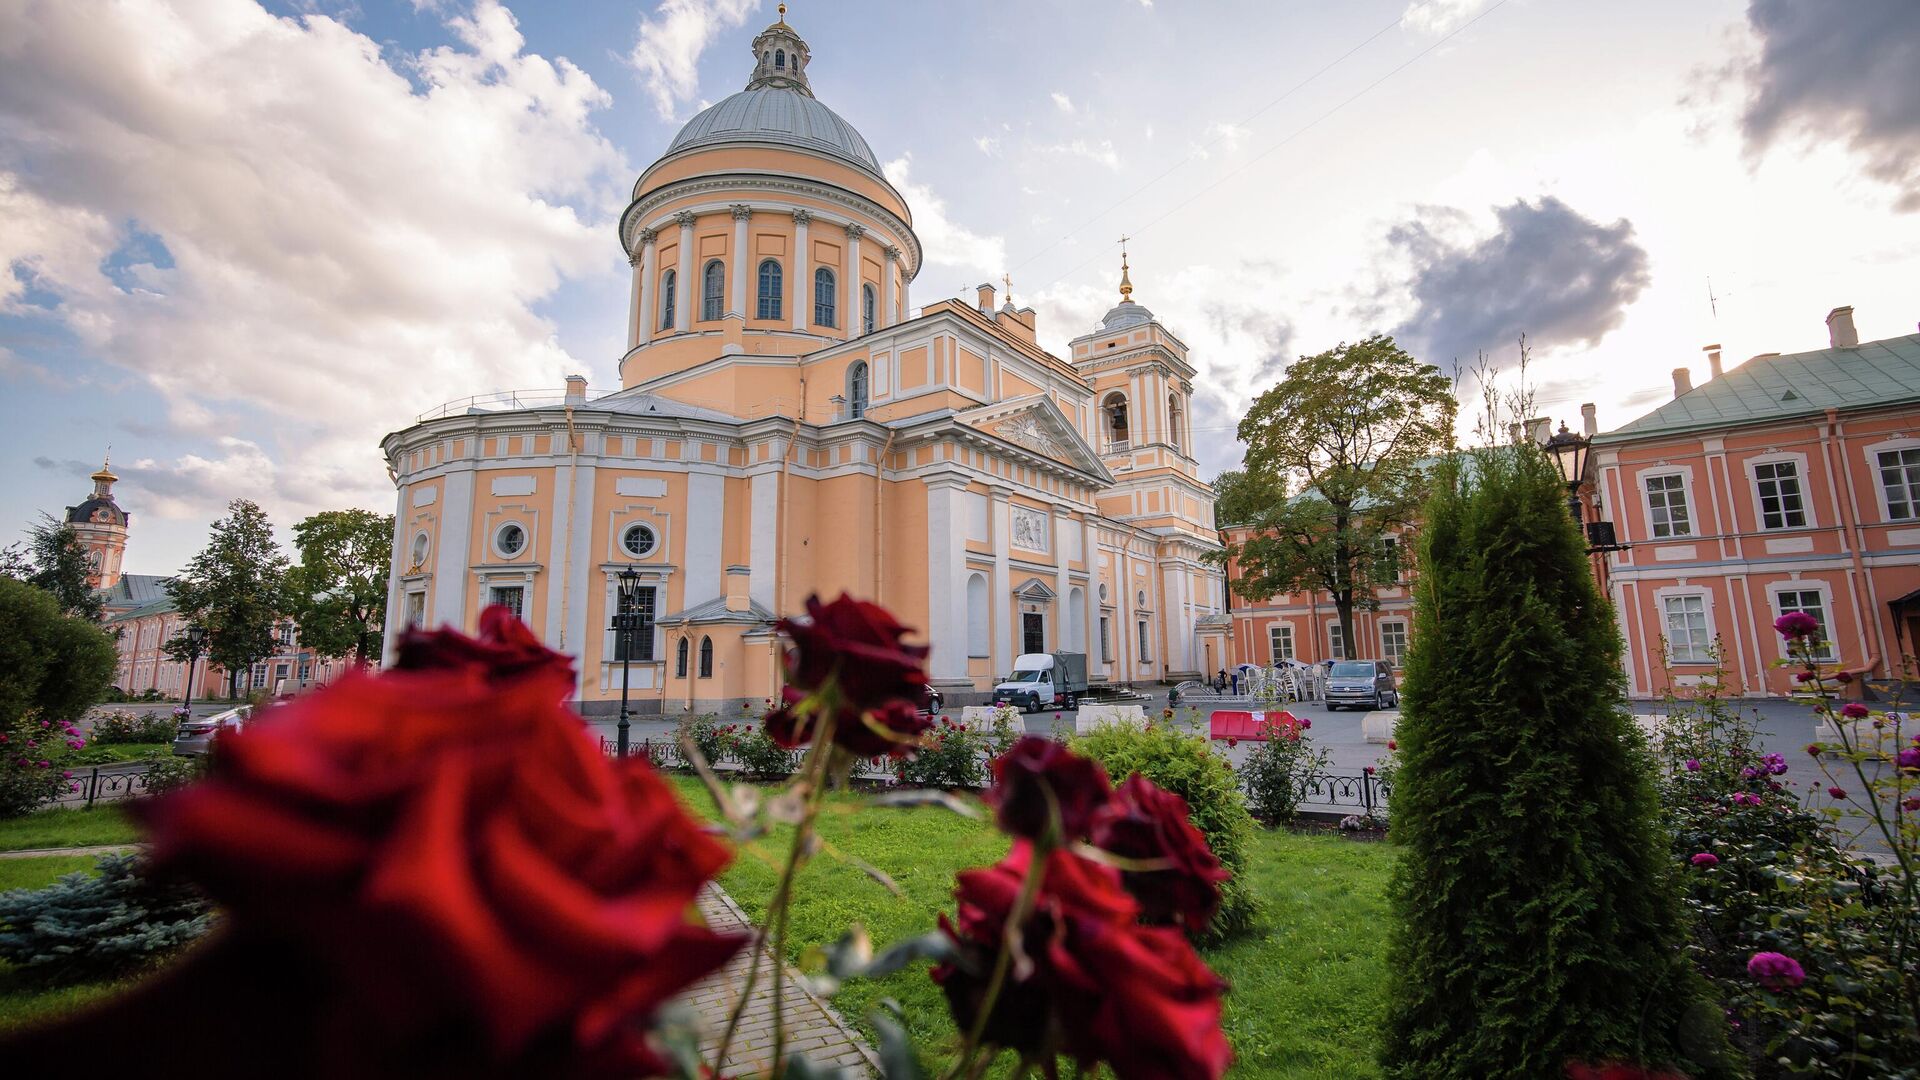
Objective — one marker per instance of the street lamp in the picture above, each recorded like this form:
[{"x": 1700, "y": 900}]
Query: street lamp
[
  {"x": 1570, "y": 453},
  {"x": 196, "y": 641},
  {"x": 626, "y": 619}
]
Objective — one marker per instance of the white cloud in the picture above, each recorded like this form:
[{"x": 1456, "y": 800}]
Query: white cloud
[
  {"x": 1064, "y": 103},
  {"x": 1439, "y": 17},
  {"x": 988, "y": 145},
  {"x": 1101, "y": 153},
  {"x": 667, "y": 52},
  {"x": 949, "y": 245},
  {"x": 346, "y": 250}
]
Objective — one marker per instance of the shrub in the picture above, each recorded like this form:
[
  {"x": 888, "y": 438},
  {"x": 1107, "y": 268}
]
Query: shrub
[
  {"x": 955, "y": 756},
  {"x": 168, "y": 773},
  {"x": 36, "y": 759},
  {"x": 1537, "y": 919},
  {"x": 1187, "y": 766},
  {"x": 120, "y": 727},
  {"x": 759, "y": 756},
  {"x": 88, "y": 926},
  {"x": 1278, "y": 773},
  {"x": 705, "y": 732},
  {"x": 53, "y": 665}
]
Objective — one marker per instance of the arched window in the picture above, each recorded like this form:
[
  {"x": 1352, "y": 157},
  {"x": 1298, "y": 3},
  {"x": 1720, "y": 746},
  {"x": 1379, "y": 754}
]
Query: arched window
[
  {"x": 713, "y": 290},
  {"x": 780, "y": 58},
  {"x": 979, "y": 627},
  {"x": 866, "y": 309},
  {"x": 857, "y": 390},
  {"x": 1173, "y": 420},
  {"x": 706, "y": 658},
  {"x": 667, "y": 281},
  {"x": 770, "y": 287},
  {"x": 1113, "y": 412},
  {"x": 680, "y": 661},
  {"x": 823, "y": 297}
]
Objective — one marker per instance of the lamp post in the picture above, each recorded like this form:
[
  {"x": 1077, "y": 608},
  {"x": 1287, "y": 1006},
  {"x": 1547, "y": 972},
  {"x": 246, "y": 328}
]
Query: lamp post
[
  {"x": 624, "y": 620},
  {"x": 196, "y": 641},
  {"x": 1570, "y": 453}
]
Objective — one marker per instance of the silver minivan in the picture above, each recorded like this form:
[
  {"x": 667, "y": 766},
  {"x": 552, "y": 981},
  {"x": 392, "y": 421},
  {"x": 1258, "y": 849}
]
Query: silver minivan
[{"x": 1367, "y": 684}]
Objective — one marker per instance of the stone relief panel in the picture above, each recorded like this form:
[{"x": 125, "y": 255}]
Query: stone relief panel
[{"x": 1029, "y": 528}]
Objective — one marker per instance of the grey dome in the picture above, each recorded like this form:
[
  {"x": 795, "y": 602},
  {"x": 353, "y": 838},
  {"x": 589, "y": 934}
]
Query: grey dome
[
  {"x": 780, "y": 117},
  {"x": 1124, "y": 314}
]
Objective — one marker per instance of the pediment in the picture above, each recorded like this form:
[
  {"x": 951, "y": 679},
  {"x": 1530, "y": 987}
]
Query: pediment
[{"x": 1036, "y": 424}]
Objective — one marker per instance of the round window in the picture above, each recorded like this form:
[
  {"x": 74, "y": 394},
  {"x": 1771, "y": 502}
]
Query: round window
[
  {"x": 419, "y": 549},
  {"x": 1141, "y": 598},
  {"x": 1103, "y": 591},
  {"x": 638, "y": 540},
  {"x": 510, "y": 540}
]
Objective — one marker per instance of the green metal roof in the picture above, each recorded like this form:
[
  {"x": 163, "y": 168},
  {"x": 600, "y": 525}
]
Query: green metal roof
[{"x": 1766, "y": 388}]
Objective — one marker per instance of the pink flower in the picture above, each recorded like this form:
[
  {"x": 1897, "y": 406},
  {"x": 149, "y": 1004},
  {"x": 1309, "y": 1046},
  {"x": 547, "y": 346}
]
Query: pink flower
[
  {"x": 1837, "y": 792},
  {"x": 1813, "y": 749},
  {"x": 66, "y": 774},
  {"x": 1776, "y": 971},
  {"x": 1909, "y": 760},
  {"x": 1392, "y": 746},
  {"x": 1705, "y": 858},
  {"x": 1843, "y": 677},
  {"x": 1693, "y": 765},
  {"x": 1796, "y": 624},
  {"x": 1369, "y": 770},
  {"x": 1305, "y": 723},
  {"x": 1912, "y": 803},
  {"x": 1853, "y": 710}
]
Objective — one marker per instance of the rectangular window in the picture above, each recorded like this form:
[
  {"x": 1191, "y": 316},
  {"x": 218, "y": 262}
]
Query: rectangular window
[
  {"x": 1336, "y": 642},
  {"x": 640, "y": 643},
  {"x": 1146, "y": 653},
  {"x": 511, "y": 597},
  {"x": 306, "y": 670},
  {"x": 259, "y": 676},
  {"x": 1687, "y": 640},
  {"x": 416, "y": 609},
  {"x": 1900, "y": 479},
  {"x": 1280, "y": 641},
  {"x": 1667, "y": 506},
  {"x": 1106, "y": 640},
  {"x": 1779, "y": 487},
  {"x": 1389, "y": 559},
  {"x": 1811, "y": 602},
  {"x": 1393, "y": 643}
]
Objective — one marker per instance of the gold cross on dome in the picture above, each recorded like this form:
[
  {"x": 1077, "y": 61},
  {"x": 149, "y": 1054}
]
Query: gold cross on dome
[{"x": 1007, "y": 280}]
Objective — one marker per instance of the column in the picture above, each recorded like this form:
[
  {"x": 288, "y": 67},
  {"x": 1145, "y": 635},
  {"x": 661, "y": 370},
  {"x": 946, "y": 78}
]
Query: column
[
  {"x": 886, "y": 286},
  {"x": 1000, "y": 589},
  {"x": 644, "y": 291},
  {"x": 1090, "y": 558},
  {"x": 636, "y": 301},
  {"x": 450, "y": 577},
  {"x": 1061, "y": 523},
  {"x": 582, "y": 578},
  {"x": 763, "y": 525},
  {"x": 850, "y": 285},
  {"x": 396, "y": 599},
  {"x": 946, "y": 578},
  {"x": 741, "y": 259},
  {"x": 802, "y": 270},
  {"x": 686, "y": 292}
]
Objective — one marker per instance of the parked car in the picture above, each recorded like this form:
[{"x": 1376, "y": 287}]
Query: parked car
[
  {"x": 1365, "y": 683},
  {"x": 934, "y": 701},
  {"x": 196, "y": 735},
  {"x": 1043, "y": 680}
]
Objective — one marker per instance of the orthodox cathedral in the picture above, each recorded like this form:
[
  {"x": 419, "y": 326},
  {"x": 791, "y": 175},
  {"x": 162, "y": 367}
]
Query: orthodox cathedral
[{"x": 789, "y": 424}]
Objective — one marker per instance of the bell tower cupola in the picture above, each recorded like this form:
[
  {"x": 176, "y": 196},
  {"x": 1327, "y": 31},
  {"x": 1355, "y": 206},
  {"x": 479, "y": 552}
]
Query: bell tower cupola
[
  {"x": 780, "y": 58},
  {"x": 100, "y": 526}
]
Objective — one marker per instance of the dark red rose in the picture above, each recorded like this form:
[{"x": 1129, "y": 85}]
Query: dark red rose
[
  {"x": 1104, "y": 987},
  {"x": 893, "y": 730},
  {"x": 1619, "y": 1071},
  {"x": 1142, "y": 821},
  {"x": 848, "y": 659},
  {"x": 431, "y": 872},
  {"x": 504, "y": 647},
  {"x": 1035, "y": 767}
]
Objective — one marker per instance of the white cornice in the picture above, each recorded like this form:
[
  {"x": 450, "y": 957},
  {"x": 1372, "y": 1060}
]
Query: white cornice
[{"x": 726, "y": 189}]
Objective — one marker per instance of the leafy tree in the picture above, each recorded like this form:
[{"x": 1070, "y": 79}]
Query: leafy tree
[
  {"x": 338, "y": 591},
  {"x": 14, "y": 562},
  {"x": 1537, "y": 922},
  {"x": 52, "y": 664},
  {"x": 54, "y": 560},
  {"x": 232, "y": 590},
  {"x": 1335, "y": 464}
]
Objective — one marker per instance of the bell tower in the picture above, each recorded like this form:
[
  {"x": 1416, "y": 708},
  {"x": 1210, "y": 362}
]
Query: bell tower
[
  {"x": 781, "y": 58},
  {"x": 101, "y": 527}
]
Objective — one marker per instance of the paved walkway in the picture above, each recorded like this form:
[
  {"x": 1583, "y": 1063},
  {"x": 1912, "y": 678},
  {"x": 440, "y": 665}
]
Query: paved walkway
[
  {"x": 96, "y": 849},
  {"x": 813, "y": 1027}
]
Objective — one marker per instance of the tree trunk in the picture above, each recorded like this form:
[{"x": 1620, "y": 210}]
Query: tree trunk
[{"x": 1343, "y": 607}]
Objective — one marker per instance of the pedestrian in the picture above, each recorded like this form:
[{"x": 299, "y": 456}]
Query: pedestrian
[
  {"x": 1220, "y": 682},
  {"x": 1236, "y": 682}
]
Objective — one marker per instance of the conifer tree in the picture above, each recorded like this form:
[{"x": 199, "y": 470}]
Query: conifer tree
[{"x": 1536, "y": 920}]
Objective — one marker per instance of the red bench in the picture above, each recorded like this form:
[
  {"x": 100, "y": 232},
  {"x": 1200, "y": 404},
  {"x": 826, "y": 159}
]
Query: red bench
[{"x": 1252, "y": 725}]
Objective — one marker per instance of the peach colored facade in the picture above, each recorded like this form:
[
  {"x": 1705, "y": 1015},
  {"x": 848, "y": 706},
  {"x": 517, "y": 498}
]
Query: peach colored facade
[
  {"x": 1734, "y": 521},
  {"x": 789, "y": 424},
  {"x": 1305, "y": 626}
]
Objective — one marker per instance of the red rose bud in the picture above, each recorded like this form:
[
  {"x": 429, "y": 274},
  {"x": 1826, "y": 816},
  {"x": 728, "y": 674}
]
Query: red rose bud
[
  {"x": 1853, "y": 710},
  {"x": 1843, "y": 677},
  {"x": 1025, "y": 775},
  {"x": 1110, "y": 989},
  {"x": 1392, "y": 746},
  {"x": 432, "y": 870},
  {"x": 1813, "y": 749},
  {"x": 1142, "y": 821},
  {"x": 1837, "y": 792},
  {"x": 1803, "y": 676}
]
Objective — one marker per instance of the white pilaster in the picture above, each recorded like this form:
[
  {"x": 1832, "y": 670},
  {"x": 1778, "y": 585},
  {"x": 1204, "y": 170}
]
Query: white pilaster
[
  {"x": 580, "y": 578},
  {"x": 396, "y": 610},
  {"x": 802, "y": 270},
  {"x": 887, "y": 274},
  {"x": 456, "y": 537},
  {"x": 700, "y": 540},
  {"x": 1061, "y": 523},
  {"x": 553, "y": 629},
  {"x": 1004, "y": 609},
  {"x": 946, "y": 578},
  {"x": 686, "y": 296},
  {"x": 852, "y": 323},
  {"x": 1090, "y": 558},
  {"x": 741, "y": 212},
  {"x": 637, "y": 299},
  {"x": 763, "y": 524},
  {"x": 645, "y": 290}
]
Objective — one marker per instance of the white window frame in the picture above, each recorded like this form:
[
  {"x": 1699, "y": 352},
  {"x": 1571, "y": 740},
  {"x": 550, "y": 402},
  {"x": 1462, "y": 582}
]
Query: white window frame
[
  {"x": 1807, "y": 585},
  {"x": 1686, "y": 493},
  {"x": 526, "y": 540},
  {"x": 1277, "y": 633},
  {"x": 1145, "y": 628},
  {"x": 1799, "y": 463},
  {"x": 408, "y": 612},
  {"x": 1336, "y": 641},
  {"x": 1398, "y": 660},
  {"x": 1660, "y": 598},
  {"x": 979, "y": 616},
  {"x": 494, "y": 592},
  {"x": 610, "y": 643},
  {"x": 1873, "y": 452},
  {"x": 1106, "y": 639},
  {"x": 420, "y": 547},
  {"x": 653, "y": 540}
]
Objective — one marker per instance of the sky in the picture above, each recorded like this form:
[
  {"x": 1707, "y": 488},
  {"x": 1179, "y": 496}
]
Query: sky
[{"x": 241, "y": 241}]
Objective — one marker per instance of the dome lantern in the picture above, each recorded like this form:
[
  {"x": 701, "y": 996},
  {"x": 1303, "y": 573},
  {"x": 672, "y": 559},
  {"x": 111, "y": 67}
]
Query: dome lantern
[{"x": 780, "y": 58}]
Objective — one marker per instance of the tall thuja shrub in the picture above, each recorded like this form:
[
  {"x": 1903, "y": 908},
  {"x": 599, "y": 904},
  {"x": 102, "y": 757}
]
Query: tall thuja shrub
[{"x": 1536, "y": 925}]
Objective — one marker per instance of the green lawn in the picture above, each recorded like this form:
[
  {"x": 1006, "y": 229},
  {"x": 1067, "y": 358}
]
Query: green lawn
[
  {"x": 41, "y": 871},
  {"x": 113, "y": 753},
  {"x": 102, "y": 824},
  {"x": 1307, "y": 982}
]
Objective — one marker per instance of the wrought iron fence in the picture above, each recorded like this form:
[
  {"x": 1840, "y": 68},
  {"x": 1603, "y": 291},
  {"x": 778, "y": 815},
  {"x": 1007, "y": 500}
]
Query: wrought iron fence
[{"x": 98, "y": 786}]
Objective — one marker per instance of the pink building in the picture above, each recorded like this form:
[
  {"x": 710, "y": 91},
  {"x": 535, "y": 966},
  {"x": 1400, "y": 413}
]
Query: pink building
[{"x": 1790, "y": 483}]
